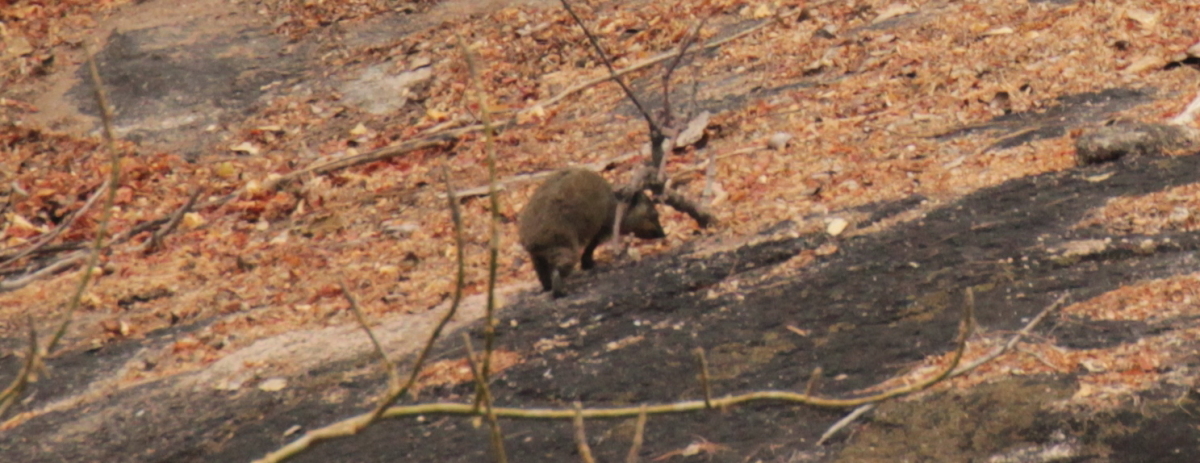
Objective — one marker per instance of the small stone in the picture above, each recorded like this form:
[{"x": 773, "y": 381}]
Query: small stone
[
  {"x": 273, "y": 384},
  {"x": 1194, "y": 50},
  {"x": 779, "y": 141},
  {"x": 836, "y": 226},
  {"x": 694, "y": 132}
]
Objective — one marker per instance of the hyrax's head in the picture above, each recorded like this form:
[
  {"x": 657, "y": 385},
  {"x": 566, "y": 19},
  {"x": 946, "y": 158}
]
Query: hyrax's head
[{"x": 641, "y": 219}]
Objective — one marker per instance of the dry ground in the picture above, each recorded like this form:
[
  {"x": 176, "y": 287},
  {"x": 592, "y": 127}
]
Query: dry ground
[{"x": 942, "y": 131}]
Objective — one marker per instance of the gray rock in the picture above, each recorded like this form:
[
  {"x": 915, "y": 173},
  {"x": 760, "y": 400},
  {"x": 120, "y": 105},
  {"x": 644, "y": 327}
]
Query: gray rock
[{"x": 1117, "y": 141}]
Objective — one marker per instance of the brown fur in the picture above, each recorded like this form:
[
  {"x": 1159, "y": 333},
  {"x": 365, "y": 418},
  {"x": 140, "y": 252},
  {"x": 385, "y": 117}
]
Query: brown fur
[{"x": 571, "y": 213}]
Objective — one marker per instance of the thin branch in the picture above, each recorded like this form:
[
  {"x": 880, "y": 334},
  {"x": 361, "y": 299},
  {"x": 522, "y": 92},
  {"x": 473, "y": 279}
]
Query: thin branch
[
  {"x": 651, "y": 61},
  {"x": 18, "y": 385},
  {"x": 812, "y": 380},
  {"x": 489, "y": 146},
  {"x": 585, "y": 450},
  {"x": 497, "y": 437},
  {"x": 678, "y": 407},
  {"x": 155, "y": 241},
  {"x": 114, "y": 179},
  {"x": 845, "y": 421},
  {"x": 687, "y": 42},
  {"x": 358, "y": 423},
  {"x": 704, "y": 377},
  {"x": 393, "y": 374},
  {"x": 1012, "y": 341},
  {"x": 612, "y": 71},
  {"x": 697, "y": 212},
  {"x": 639, "y": 435},
  {"x": 52, "y": 268},
  {"x": 47, "y": 238},
  {"x": 32, "y": 362}
]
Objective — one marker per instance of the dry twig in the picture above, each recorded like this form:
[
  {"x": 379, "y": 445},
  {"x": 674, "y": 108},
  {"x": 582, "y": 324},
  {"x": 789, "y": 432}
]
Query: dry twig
[
  {"x": 639, "y": 436},
  {"x": 155, "y": 241},
  {"x": 48, "y": 237},
  {"x": 355, "y": 424},
  {"x": 392, "y": 372},
  {"x": 18, "y": 384},
  {"x": 489, "y": 324},
  {"x": 845, "y": 421},
  {"x": 705, "y": 385},
  {"x": 9, "y": 396},
  {"x": 497, "y": 437},
  {"x": 585, "y": 450}
]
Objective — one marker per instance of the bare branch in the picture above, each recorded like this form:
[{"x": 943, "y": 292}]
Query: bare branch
[
  {"x": 1012, "y": 341},
  {"x": 356, "y": 424},
  {"x": 393, "y": 374},
  {"x": 155, "y": 241},
  {"x": 114, "y": 179},
  {"x": 705, "y": 385},
  {"x": 54, "y": 267},
  {"x": 639, "y": 435},
  {"x": 683, "y": 204},
  {"x": 812, "y": 381},
  {"x": 14, "y": 390},
  {"x": 686, "y": 43},
  {"x": 585, "y": 450},
  {"x": 497, "y": 437},
  {"x": 489, "y": 146},
  {"x": 48, "y": 237},
  {"x": 612, "y": 71},
  {"x": 845, "y": 421},
  {"x": 32, "y": 362}
]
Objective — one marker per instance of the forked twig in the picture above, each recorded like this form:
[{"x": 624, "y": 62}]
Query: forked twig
[
  {"x": 612, "y": 71},
  {"x": 356, "y": 424}
]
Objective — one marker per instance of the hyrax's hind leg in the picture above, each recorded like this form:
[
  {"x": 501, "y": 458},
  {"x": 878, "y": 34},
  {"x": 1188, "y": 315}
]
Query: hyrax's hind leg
[
  {"x": 587, "y": 262},
  {"x": 544, "y": 271}
]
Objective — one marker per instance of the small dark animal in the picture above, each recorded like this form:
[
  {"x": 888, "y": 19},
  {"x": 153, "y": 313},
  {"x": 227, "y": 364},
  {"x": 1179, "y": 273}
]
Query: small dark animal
[{"x": 574, "y": 211}]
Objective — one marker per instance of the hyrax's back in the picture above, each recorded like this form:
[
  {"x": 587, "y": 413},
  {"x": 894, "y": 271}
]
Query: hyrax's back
[
  {"x": 569, "y": 215},
  {"x": 564, "y": 215}
]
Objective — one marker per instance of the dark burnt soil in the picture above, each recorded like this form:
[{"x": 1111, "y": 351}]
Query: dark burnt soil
[{"x": 881, "y": 303}]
